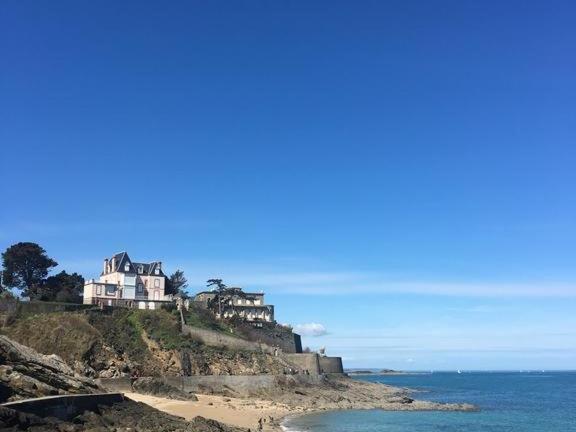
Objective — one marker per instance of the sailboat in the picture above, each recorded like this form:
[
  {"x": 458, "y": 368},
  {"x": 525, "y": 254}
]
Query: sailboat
[{"x": 459, "y": 371}]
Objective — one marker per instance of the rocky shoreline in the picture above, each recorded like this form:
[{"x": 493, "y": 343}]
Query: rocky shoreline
[
  {"x": 25, "y": 373},
  {"x": 267, "y": 411}
]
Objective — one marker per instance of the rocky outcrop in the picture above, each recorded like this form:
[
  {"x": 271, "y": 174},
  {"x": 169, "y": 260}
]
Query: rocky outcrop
[
  {"x": 157, "y": 387},
  {"x": 124, "y": 416},
  {"x": 213, "y": 361},
  {"x": 99, "y": 345},
  {"x": 335, "y": 393},
  {"x": 25, "y": 373}
]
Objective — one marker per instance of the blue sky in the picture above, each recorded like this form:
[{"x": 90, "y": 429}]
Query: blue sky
[{"x": 400, "y": 173}]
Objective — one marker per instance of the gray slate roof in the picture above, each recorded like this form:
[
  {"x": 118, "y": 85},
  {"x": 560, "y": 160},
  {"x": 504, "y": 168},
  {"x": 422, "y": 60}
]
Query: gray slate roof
[{"x": 147, "y": 269}]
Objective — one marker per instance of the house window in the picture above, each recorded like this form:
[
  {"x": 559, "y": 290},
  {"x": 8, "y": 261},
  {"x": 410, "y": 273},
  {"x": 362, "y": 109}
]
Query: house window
[
  {"x": 157, "y": 270},
  {"x": 140, "y": 269},
  {"x": 110, "y": 290},
  {"x": 157, "y": 283},
  {"x": 127, "y": 267},
  {"x": 98, "y": 290},
  {"x": 140, "y": 288}
]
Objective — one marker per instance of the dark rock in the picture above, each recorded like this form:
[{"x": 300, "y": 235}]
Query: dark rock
[
  {"x": 25, "y": 373},
  {"x": 157, "y": 387},
  {"x": 124, "y": 416}
]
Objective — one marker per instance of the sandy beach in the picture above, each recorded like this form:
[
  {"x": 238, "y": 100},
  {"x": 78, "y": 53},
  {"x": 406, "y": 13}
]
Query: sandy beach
[
  {"x": 244, "y": 413},
  {"x": 267, "y": 410}
]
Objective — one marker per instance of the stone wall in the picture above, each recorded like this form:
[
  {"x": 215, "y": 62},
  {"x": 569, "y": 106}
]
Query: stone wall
[
  {"x": 218, "y": 339},
  {"x": 233, "y": 385},
  {"x": 297, "y": 343},
  {"x": 314, "y": 364},
  {"x": 265, "y": 339},
  {"x": 330, "y": 365},
  {"x": 64, "y": 407},
  {"x": 304, "y": 362},
  {"x": 273, "y": 335}
]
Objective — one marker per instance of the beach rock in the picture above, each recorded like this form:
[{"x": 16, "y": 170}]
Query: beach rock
[
  {"x": 157, "y": 387},
  {"x": 25, "y": 373},
  {"x": 122, "y": 417}
]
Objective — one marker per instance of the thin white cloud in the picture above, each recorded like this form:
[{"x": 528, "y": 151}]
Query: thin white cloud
[
  {"x": 310, "y": 329},
  {"x": 343, "y": 283}
]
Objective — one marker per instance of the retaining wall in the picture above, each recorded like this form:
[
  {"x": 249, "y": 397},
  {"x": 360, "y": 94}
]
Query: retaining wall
[
  {"x": 315, "y": 364},
  {"x": 64, "y": 407},
  {"x": 233, "y": 385},
  {"x": 304, "y": 362},
  {"x": 331, "y": 365},
  {"x": 217, "y": 339}
]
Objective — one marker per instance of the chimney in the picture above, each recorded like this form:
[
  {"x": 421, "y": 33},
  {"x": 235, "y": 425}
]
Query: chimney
[
  {"x": 160, "y": 265},
  {"x": 105, "y": 265},
  {"x": 113, "y": 266}
]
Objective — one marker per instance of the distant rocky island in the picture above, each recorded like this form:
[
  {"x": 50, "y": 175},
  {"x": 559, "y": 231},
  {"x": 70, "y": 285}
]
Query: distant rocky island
[{"x": 374, "y": 372}]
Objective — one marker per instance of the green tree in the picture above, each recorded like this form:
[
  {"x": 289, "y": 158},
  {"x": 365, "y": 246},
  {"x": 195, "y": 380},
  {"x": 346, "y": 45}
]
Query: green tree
[
  {"x": 62, "y": 287},
  {"x": 177, "y": 283},
  {"x": 25, "y": 267},
  {"x": 220, "y": 287}
]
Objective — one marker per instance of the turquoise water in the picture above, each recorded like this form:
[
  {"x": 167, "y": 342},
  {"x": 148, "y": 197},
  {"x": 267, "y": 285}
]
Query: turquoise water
[{"x": 508, "y": 402}]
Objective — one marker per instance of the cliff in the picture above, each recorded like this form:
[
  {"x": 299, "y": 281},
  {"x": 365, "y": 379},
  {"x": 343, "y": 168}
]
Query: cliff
[{"x": 99, "y": 344}]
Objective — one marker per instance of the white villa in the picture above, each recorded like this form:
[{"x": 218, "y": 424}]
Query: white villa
[
  {"x": 127, "y": 283},
  {"x": 248, "y": 306}
]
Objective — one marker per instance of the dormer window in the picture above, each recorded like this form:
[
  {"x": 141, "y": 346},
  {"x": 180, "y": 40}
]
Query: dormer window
[
  {"x": 140, "y": 269},
  {"x": 157, "y": 271},
  {"x": 127, "y": 267}
]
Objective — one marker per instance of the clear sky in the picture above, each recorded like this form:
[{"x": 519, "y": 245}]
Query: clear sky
[{"x": 398, "y": 173}]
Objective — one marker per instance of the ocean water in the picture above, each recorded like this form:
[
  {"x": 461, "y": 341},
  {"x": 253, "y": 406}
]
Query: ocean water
[{"x": 508, "y": 402}]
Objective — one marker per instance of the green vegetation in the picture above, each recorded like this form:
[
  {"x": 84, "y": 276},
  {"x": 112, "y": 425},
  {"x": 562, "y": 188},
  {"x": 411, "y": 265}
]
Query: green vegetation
[
  {"x": 124, "y": 328},
  {"x": 119, "y": 333},
  {"x": 116, "y": 342},
  {"x": 162, "y": 327},
  {"x": 25, "y": 266},
  {"x": 202, "y": 318},
  {"x": 67, "y": 334},
  {"x": 177, "y": 283}
]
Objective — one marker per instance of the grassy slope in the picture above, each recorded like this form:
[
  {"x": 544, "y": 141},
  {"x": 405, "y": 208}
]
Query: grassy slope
[
  {"x": 98, "y": 340},
  {"x": 68, "y": 334}
]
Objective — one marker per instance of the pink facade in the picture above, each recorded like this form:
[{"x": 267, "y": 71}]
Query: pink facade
[{"x": 128, "y": 283}]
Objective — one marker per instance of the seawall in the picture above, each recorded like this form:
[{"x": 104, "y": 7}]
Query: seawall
[
  {"x": 331, "y": 365},
  {"x": 315, "y": 364},
  {"x": 237, "y": 385}
]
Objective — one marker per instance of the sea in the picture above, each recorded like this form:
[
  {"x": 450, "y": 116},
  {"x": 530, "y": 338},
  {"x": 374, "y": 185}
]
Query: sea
[{"x": 507, "y": 401}]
